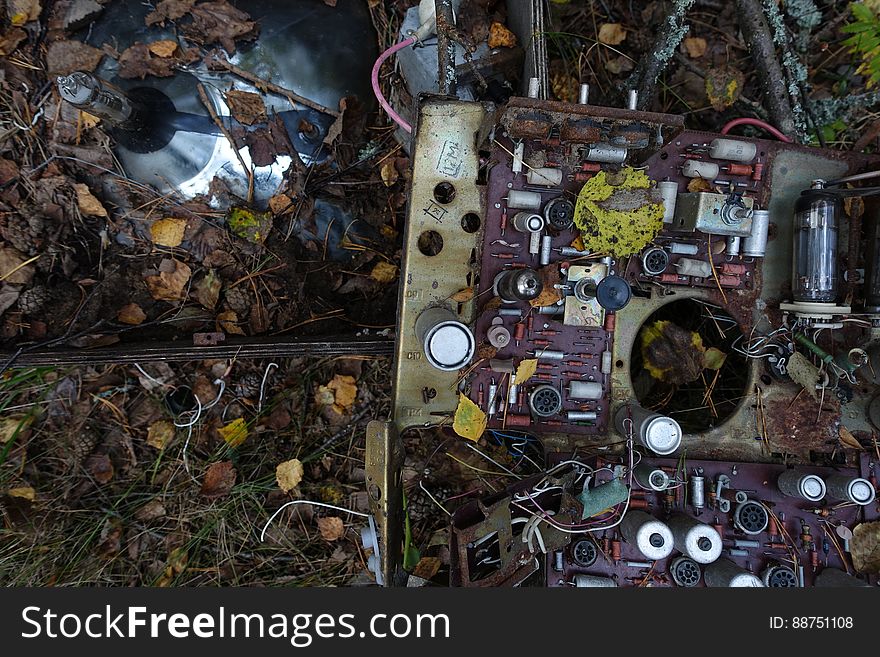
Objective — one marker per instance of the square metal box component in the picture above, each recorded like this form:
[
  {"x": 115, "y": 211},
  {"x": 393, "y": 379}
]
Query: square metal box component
[{"x": 713, "y": 214}]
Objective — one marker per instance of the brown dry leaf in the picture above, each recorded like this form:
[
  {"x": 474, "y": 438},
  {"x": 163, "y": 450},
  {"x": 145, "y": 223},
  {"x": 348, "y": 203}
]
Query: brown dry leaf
[
  {"x": 865, "y": 547},
  {"x": 160, "y": 434},
  {"x": 612, "y": 34},
  {"x": 500, "y": 36},
  {"x": 88, "y": 204},
  {"x": 427, "y": 567},
  {"x": 695, "y": 47},
  {"x": 469, "y": 421},
  {"x": 219, "y": 21},
  {"x": 169, "y": 284},
  {"x": 389, "y": 173},
  {"x": 207, "y": 290},
  {"x": 384, "y": 272},
  {"x": 288, "y": 474},
  {"x": 23, "y": 493},
  {"x": 65, "y": 57},
  {"x": 168, "y": 232},
  {"x": 23, "y": 11},
  {"x": 331, "y": 528},
  {"x": 281, "y": 204},
  {"x": 13, "y": 268},
  {"x": 164, "y": 48},
  {"x": 699, "y": 185},
  {"x": 14, "y": 427},
  {"x": 152, "y": 510},
  {"x": 234, "y": 433},
  {"x": 11, "y": 40},
  {"x": 227, "y": 322},
  {"x": 345, "y": 391},
  {"x": 849, "y": 440},
  {"x": 131, "y": 314},
  {"x": 169, "y": 9},
  {"x": 219, "y": 479},
  {"x": 246, "y": 107},
  {"x": 100, "y": 467}
]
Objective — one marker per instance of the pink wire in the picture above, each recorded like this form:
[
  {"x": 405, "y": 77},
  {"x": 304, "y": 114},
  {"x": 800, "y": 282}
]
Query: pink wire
[
  {"x": 375, "y": 80},
  {"x": 758, "y": 123}
]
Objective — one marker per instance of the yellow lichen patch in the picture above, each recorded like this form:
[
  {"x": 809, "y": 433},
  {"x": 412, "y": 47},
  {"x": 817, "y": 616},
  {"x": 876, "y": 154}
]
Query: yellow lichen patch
[{"x": 619, "y": 213}]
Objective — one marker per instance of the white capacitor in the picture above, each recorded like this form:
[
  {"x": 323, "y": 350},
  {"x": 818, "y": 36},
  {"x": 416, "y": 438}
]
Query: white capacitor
[
  {"x": 593, "y": 581},
  {"x": 535, "y": 243},
  {"x": 606, "y": 153},
  {"x": 518, "y": 200},
  {"x": 606, "y": 362},
  {"x": 724, "y": 573},
  {"x": 650, "y": 536},
  {"x": 669, "y": 191},
  {"x": 548, "y": 176},
  {"x": 732, "y": 149},
  {"x": 518, "y": 152},
  {"x": 527, "y": 222},
  {"x": 585, "y": 390},
  {"x": 546, "y": 249},
  {"x": 695, "y": 539},
  {"x": 700, "y": 169},
  {"x": 683, "y": 249},
  {"x": 691, "y": 267}
]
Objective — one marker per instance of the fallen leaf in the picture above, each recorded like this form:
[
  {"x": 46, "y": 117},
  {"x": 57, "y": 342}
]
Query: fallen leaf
[
  {"x": 88, "y": 121},
  {"x": 178, "y": 559},
  {"x": 246, "y": 107},
  {"x": 131, "y": 314},
  {"x": 469, "y": 421},
  {"x": 612, "y": 34},
  {"x": 160, "y": 433},
  {"x": 169, "y": 10},
  {"x": 713, "y": 358},
  {"x": 23, "y": 492},
  {"x": 227, "y": 322},
  {"x": 65, "y": 57},
  {"x": 281, "y": 204},
  {"x": 169, "y": 283},
  {"x": 23, "y": 11},
  {"x": 168, "y": 232},
  {"x": 427, "y": 567},
  {"x": 384, "y": 272},
  {"x": 207, "y": 290},
  {"x": 234, "y": 433},
  {"x": 724, "y": 86},
  {"x": 865, "y": 547},
  {"x": 87, "y": 203},
  {"x": 463, "y": 295},
  {"x": 849, "y": 440},
  {"x": 331, "y": 528},
  {"x": 288, "y": 474},
  {"x": 13, "y": 269},
  {"x": 345, "y": 391},
  {"x": 13, "y": 427},
  {"x": 619, "y": 64},
  {"x": 100, "y": 467},
  {"x": 249, "y": 225},
  {"x": 163, "y": 48},
  {"x": 389, "y": 173},
  {"x": 219, "y": 479},
  {"x": 500, "y": 36},
  {"x": 152, "y": 510},
  {"x": 324, "y": 396},
  {"x": 695, "y": 47},
  {"x": 699, "y": 185},
  {"x": 221, "y": 22},
  {"x": 525, "y": 370},
  {"x": 11, "y": 40}
]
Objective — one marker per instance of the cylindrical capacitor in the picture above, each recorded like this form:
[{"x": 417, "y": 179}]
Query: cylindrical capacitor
[
  {"x": 557, "y": 561},
  {"x": 585, "y": 390},
  {"x": 606, "y": 362},
  {"x": 534, "y": 243},
  {"x": 493, "y": 399},
  {"x": 448, "y": 344},
  {"x": 549, "y": 354},
  {"x": 571, "y": 252},
  {"x": 547, "y": 176},
  {"x": 502, "y": 365},
  {"x": 515, "y": 285},
  {"x": 518, "y": 152},
  {"x": 651, "y": 477},
  {"x": 737, "y": 552},
  {"x": 593, "y": 581},
  {"x": 843, "y": 488},
  {"x": 871, "y": 223},
  {"x": 510, "y": 312},
  {"x": 700, "y": 169},
  {"x": 658, "y": 433},
  {"x": 803, "y": 485},
  {"x": 732, "y": 149},
  {"x": 546, "y": 249},
  {"x": 682, "y": 248},
  {"x": 498, "y": 336},
  {"x": 606, "y": 153},
  {"x": 669, "y": 192},
  {"x": 746, "y": 543},
  {"x": 698, "y": 493},
  {"x": 755, "y": 245},
  {"x": 610, "y": 322},
  {"x": 581, "y": 416},
  {"x": 733, "y": 246},
  {"x": 558, "y": 309},
  {"x": 691, "y": 267},
  {"x": 512, "y": 392},
  {"x": 695, "y": 539},
  {"x": 726, "y": 574},
  {"x": 527, "y": 222},
  {"x": 814, "y": 276},
  {"x": 650, "y": 536},
  {"x": 519, "y": 200}
]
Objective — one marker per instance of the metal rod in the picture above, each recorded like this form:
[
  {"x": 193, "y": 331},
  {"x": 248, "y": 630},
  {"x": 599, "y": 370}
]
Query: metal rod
[{"x": 445, "y": 47}]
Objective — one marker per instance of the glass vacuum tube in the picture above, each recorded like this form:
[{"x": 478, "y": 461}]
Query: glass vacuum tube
[
  {"x": 814, "y": 278},
  {"x": 97, "y": 97}
]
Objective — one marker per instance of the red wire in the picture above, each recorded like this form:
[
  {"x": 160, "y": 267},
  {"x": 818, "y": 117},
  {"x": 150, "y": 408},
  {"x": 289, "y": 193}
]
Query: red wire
[{"x": 758, "y": 123}]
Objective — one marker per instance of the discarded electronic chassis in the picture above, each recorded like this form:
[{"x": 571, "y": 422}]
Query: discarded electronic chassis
[{"x": 683, "y": 322}]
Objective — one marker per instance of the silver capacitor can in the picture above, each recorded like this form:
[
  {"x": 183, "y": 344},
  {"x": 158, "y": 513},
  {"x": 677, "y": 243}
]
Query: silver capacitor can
[
  {"x": 803, "y": 485},
  {"x": 733, "y": 246},
  {"x": 842, "y": 488},
  {"x": 726, "y": 574},
  {"x": 585, "y": 390},
  {"x": 520, "y": 200},
  {"x": 652, "y": 537},
  {"x": 695, "y": 539},
  {"x": 648, "y": 476},
  {"x": 448, "y": 344},
  {"x": 661, "y": 434},
  {"x": 755, "y": 245},
  {"x": 698, "y": 493},
  {"x": 593, "y": 581},
  {"x": 606, "y": 153}
]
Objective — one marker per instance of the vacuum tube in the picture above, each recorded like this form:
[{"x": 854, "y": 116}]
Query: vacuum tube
[{"x": 816, "y": 217}]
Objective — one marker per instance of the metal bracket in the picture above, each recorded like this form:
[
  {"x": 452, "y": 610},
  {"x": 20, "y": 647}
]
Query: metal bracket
[{"x": 384, "y": 464}]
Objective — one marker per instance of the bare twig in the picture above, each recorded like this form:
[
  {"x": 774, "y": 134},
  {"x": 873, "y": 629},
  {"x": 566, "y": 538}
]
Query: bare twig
[{"x": 250, "y": 174}]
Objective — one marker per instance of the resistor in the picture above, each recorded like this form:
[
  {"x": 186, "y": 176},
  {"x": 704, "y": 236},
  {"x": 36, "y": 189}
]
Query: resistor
[
  {"x": 758, "y": 171},
  {"x": 673, "y": 278},
  {"x": 606, "y": 545},
  {"x": 806, "y": 536},
  {"x": 573, "y": 363},
  {"x": 713, "y": 495},
  {"x": 729, "y": 281},
  {"x": 519, "y": 332},
  {"x": 503, "y": 221},
  {"x": 772, "y": 525},
  {"x": 679, "y": 496},
  {"x": 514, "y": 420},
  {"x": 638, "y": 504},
  {"x": 814, "y": 559},
  {"x": 668, "y": 501},
  {"x": 515, "y": 265},
  {"x": 530, "y": 323},
  {"x": 615, "y": 550},
  {"x": 718, "y": 527},
  {"x": 826, "y": 548},
  {"x": 540, "y": 342},
  {"x": 548, "y": 332},
  {"x": 547, "y": 366},
  {"x": 610, "y": 322},
  {"x": 480, "y": 396},
  {"x": 504, "y": 256},
  {"x": 733, "y": 268},
  {"x": 552, "y": 423},
  {"x": 521, "y": 398},
  {"x": 776, "y": 545},
  {"x": 543, "y": 376},
  {"x": 591, "y": 166},
  {"x": 738, "y": 169},
  {"x": 575, "y": 375}
]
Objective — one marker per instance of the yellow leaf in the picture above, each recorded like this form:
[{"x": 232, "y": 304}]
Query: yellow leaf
[
  {"x": 344, "y": 389},
  {"x": 88, "y": 121},
  {"x": 160, "y": 434},
  {"x": 289, "y": 474},
  {"x": 695, "y": 47},
  {"x": 11, "y": 427},
  {"x": 525, "y": 370},
  {"x": 131, "y": 314},
  {"x": 384, "y": 272},
  {"x": 164, "y": 48},
  {"x": 612, "y": 34},
  {"x": 463, "y": 295},
  {"x": 234, "y": 433},
  {"x": 849, "y": 440},
  {"x": 427, "y": 567},
  {"x": 332, "y": 529},
  {"x": 469, "y": 421},
  {"x": 168, "y": 232},
  {"x": 389, "y": 173},
  {"x": 228, "y": 323},
  {"x": 23, "y": 492},
  {"x": 500, "y": 36},
  {"x": 88, "y": 204}
]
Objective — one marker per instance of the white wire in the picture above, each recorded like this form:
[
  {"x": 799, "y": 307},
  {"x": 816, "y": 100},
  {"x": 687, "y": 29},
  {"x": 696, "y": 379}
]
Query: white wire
[
  {"x": 269, "y": 368},
  {"x": 322, "y": 504}
]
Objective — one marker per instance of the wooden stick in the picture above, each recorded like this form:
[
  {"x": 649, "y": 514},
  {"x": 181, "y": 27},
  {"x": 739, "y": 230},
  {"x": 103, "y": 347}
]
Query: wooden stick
[{"x": 250, "y": 174}]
